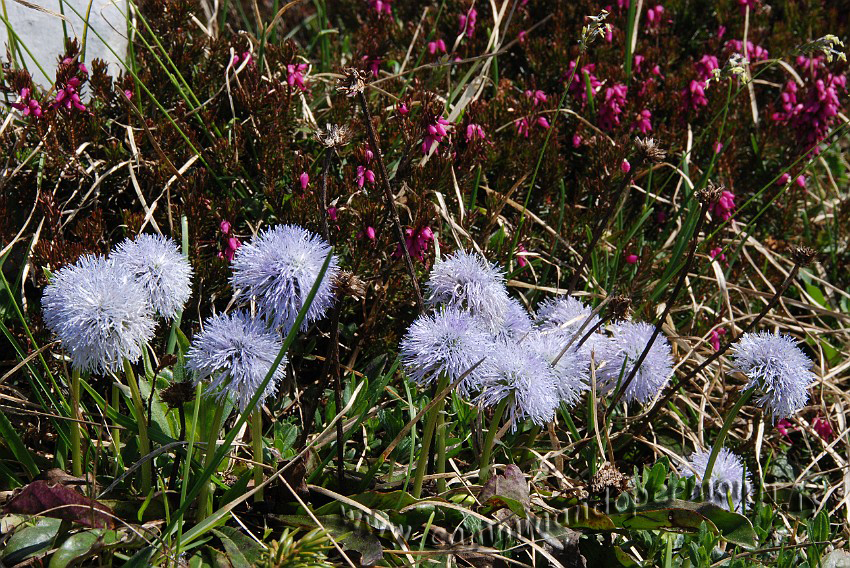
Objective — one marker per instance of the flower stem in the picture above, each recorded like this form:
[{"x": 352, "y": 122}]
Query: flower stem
[
  {"x": 142, "y": 423},
  {"x": 76, "y": 449},
  {"x": 718, "y": 442},
  {"x": 116, "y": 431},
  {"x": 487, "y": 450},
  {"x": 204, "y": 504},
  {"x": 441, "y": 447},
  {"x": 388, "y": 195},
  {"x": 427, "y": 437},
  {"x": 257, "y": 445}
]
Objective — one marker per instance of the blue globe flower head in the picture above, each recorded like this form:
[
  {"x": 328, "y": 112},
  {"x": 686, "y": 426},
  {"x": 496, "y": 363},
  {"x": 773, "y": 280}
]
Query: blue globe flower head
[
  {"x": 236, "y": 351},
  {"x": 278, "y": 268},
  {"x": 514, "y": 369},
  {"x": 620, "y": 352},
  {"x": 571, "y": 368},
  {"x": 99, "y": 316},
  {"x": 565, "y": 314},
  {"x": 449, "y": 341},
  {"x": 517, "y": 323},
  {"x": 728, "y": 480},
  {"x": 468, "y": 281},
  {"x": 155, "y": 262},
  {"x": 778, "y": 370}
]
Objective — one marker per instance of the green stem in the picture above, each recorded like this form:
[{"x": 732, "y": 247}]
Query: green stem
[
  {"x": 718, "y": 443},
  {"x": 441, "y": 446},
  {"x": 487, "y": 450},
  {"x": 76, "y": 449},
  {"x": 257, "y": 444},
  {"x": 116, "y": 431},
  {"x": 427, "y": 437},
  {"x": 142, "y": 422},
  {"x": 204, "y": 504}
]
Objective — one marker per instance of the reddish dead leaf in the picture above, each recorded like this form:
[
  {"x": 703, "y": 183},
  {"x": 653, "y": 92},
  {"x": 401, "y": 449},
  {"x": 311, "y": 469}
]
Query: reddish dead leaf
[{"x": 60, "y": 502}]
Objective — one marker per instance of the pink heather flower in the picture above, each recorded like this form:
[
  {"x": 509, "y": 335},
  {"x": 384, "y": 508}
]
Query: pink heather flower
[
  {"x": 521, "y": 126},
  {"x": 436, "y": 132},
  {"x": 694, "y": 95},
  {"x": 612, "y": 106},
  {"x": 643, "y": 122},
  {"x": 295, "y": 75},
  {"x": 373, "y": 63},
  {"x": 714, "y": 338},
  {"x": 68, "y": 96},
  {"x": 403, "y": 110},
  {"x": 231, "y": 246},
  {"x": 304, "y": 179},
  {"x": 754, "y": 52},
  {"x": 823, "y": 428},
  {"x": 542, "y": 122},
  {"x": 522, "y": 36},
  {"x": 128, "y": 93},
  {"x": 333, "y": 214},
  {"x": 381, "y": 6},
  {"x": 724, "y": 206},
  {"x": 705, "y": 67},
  {"x": 475, "y": 132},
  {"x": 713, "y": 253},
  {"x": 810, "y": 110},
  {"x": 224, "y": 226},
  {"x": 783, "y": 179},
  {"x": 537, "y": 96},
  {"x": 520, "y": 256},
  {"x": 576, "y": 140},
  {"x": 625, "y": 166},
  {"x": 639, "y": 59},
  {"x": 370, "y": 233},
  {"x": 784, "y": 427},
  {"x": 438, "y": 46},
  {"x": 653, "y": 17},
  {"x": 577, "y": 86},
  {"x": 27, "y": 105},
  {"x": 364, "y": 175},
  {"x": 632, "y": 258},
  {"x": 417, "y": 243},
  {"x": 466, "y": 22},
  {"x": 718, "y": 147},
  {"x": 751, "y": 4},
  {"x": 246, "y": 57},
  {"x": 801, "y": 181},
  {"x": 623, "y": 4},
  {"x": 721, "y": 31}
]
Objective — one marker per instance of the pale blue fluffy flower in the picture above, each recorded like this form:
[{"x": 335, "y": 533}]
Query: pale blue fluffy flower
[
  {"x": 155, "y": 262},
  {"x": 100, "y": 317},
  {"x": 621, "y": 351},
  {"x": 236, "y": 351},
  {"x": 566, "y": 314},
  {"x": 515, "y": 369},
  {"x": 778, "y": 370},
  {"x": 450, "y": 342},
  {"x": 571, "y": 367},
  {"x": 468, "y": 281},
  {"x": 727, "y": 478},
  {"x": 517, "y": 323},
  {"x": 278, "y": 268}
]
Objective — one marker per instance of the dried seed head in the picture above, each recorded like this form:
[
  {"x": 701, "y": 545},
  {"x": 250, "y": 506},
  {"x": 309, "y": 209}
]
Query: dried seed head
[
  {"x": 608, "y": 479},
  {"x": 353, "y": 82},
  {"x": 710, "y": 194},
  {"x": 619, "y": 307},
  {"x": 178, "y": 393},
  {"x": 803, "y": 255},
  {"x": 333, "y": 135},
  {"x": 826, "y": 44},
  {"x": 592, "y": 31},
  {"x": 648, "y": 151},
  {"x": 348, "y": 284}
]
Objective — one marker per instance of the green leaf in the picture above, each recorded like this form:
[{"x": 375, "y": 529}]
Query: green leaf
[
  {"x": 141, "y": 559},
  {"x": 30, "y": 540},
  {"x": 11, "y": 439},
  {"x": 242, "y": 551},
  {"x": 83, "y": 544}
]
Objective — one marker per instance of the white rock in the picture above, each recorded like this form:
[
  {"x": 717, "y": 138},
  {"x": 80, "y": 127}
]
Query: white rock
[{"x": 42, "y": 33}]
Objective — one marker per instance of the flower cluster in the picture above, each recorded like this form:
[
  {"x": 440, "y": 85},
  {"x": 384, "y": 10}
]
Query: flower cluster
[
  {"x": 621, "y": 351},
  {"x": 729, "y": 484},
  {"x": 436, "y": 131},
  {"x": 778, "y": 370},
  {"x": 27, "y": 104}
]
